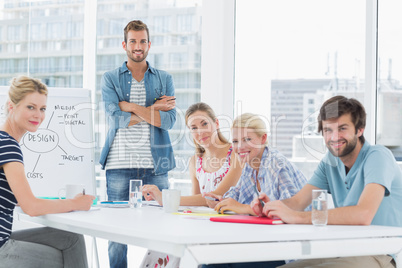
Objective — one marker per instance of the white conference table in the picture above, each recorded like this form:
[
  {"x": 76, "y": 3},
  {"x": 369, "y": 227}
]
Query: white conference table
[{"x": 199, "y": 241}]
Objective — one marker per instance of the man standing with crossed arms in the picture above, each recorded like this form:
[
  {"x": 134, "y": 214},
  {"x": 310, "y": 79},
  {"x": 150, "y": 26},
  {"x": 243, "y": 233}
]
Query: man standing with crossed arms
[{"x": 140, "y": 108}]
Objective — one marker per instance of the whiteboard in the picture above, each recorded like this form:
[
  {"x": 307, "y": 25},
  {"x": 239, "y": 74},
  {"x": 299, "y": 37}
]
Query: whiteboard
[{"x": 61, "y": 151}]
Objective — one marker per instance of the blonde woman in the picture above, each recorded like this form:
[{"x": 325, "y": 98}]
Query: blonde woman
[
  {"x": 39, "y": 247},
  {"x": 265, "y": 171}
]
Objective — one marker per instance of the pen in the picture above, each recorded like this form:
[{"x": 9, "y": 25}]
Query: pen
[
  {"x": 162, "y": 98},
  {"x": 258, "y": 194},
  {"x": 114, "y": 202},
  {"x": 211, "y": 198},
  {"x": 83, "y": 191}
]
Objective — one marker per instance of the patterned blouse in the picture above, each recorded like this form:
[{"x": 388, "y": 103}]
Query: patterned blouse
[{"x": 209, "y": 181}]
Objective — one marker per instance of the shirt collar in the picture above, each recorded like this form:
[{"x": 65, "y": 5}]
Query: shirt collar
[
  {"x": 365, "y": 147},
  {"x": 264, "y": 157},
  {"x": 362, "y": 152},
  {"x": 124, "y": 68}
]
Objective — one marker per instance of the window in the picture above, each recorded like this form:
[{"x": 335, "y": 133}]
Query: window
[
  {"x": 180, "y": 80},
  {"x": 14, "y": 32},
  {"x": 389, "y": 89},
  {"x": 162, "y": 24},
  {"x": 54, "y": 30},
  {"x": 178, "y": 60},
  {"x": 185, "y": 22},
  {"x": 75, "y": 29},
  {"x": 158, "y": 40},
  {"x": 158, "y": 61},
  {"x": 294, "y": 64},
  {"x": 303, "y": 55},
  {"x": 116, "y": 26},
  {"x": 36, "y": 29}
]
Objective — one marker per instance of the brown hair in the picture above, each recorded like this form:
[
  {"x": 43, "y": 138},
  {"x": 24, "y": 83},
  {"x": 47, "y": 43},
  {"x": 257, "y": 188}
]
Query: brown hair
[
  {"x": 337, "y": 106},
  {"x": 203, "y": 107},
  {"x": 135, "y": 25},
  {"x": 22, "y": 85}
]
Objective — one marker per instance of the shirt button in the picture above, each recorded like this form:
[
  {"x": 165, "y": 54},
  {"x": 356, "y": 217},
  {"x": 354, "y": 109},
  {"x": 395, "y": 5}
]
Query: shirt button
[
  {"x": 129, "y": 82},
  {"x": 127, "y": 94}
]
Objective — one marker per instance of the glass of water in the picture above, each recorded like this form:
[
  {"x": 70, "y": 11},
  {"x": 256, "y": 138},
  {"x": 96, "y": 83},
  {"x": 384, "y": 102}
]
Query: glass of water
[
  {"x": 135, "y": 193},
  {"x": 319, "y": 213}
]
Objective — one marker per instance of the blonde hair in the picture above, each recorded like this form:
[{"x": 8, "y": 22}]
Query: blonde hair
[
  {"x": 203, "y": 107},
  {"x": 251, "y": 121},
  {"x": 22, "y": 85}
]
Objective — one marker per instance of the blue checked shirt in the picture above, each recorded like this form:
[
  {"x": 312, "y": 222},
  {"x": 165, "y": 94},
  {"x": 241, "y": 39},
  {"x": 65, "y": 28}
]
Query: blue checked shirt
[{"x": 278, "y": 177}]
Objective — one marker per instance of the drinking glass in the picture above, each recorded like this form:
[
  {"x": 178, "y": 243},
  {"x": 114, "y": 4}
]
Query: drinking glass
[
  {"x": 135, "y": 194},
  {"x": 319, "y": 213}
]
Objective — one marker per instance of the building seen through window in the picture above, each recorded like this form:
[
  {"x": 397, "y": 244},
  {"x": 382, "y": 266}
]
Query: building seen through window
[{"x": 45, "y": 39}]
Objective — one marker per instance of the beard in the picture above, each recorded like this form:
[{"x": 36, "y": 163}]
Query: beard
[
  {"x": 132, "y": 56},
  {"x": 350, "y": 146}
]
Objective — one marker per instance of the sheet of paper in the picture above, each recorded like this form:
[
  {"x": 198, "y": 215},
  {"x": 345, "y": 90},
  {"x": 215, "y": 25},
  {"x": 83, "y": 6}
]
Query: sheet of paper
[
  {"x": 197, "y": 209},
  {"x": 152, "y": 203},
  {"x": 200, "y": 211}
]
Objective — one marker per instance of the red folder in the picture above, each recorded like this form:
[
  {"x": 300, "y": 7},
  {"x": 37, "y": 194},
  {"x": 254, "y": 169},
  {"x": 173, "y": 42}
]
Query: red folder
[{"x": 247, "y": 219}]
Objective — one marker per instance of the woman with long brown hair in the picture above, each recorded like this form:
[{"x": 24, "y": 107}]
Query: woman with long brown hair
[{"x": 213, "y": 167}]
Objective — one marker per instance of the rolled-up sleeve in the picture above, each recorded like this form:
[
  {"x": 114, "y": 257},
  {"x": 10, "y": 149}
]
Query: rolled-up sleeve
[
  {"x": 383, "y": 176},
  {"x": 115, "y": 117},
  {"x": 168, "y": 118},
  {"x": 233, "y": 192},
  {"x": 290, "y": 182}
]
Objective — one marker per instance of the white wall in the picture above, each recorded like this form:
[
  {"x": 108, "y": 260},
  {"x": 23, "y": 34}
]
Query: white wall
[{"x": 252, "y": 54}]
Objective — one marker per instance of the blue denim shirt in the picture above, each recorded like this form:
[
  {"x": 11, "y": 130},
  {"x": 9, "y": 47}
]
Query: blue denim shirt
[{"x": 116, "y": 87}]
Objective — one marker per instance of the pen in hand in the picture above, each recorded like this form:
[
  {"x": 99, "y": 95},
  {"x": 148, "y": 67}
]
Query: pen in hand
[
  {"x": 211, "y": 198},
  {"x": 114, "y": 202},
  {"x": 258, "y": 194},
  {"x": 83, "y": 191},
  {"x": 162, "y": 98}
]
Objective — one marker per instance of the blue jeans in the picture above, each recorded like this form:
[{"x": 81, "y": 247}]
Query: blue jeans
[
  {"x": 266, "y": 264},
  {"x": 117, "y": 184},
  {"x": 44, "y": 247}
]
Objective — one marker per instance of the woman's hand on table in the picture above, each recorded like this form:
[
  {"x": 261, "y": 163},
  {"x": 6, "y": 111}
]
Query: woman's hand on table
[
  {"x": 212, "y": 199},
  {"x": 152, "y": 192},
  {"x": 83, "y": 202},
  {"x": 229, "y": 204}
]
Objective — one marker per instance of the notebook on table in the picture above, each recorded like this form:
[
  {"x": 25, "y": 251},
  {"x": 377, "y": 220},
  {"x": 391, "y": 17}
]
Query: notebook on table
[{"x": 247, "y": 219}]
